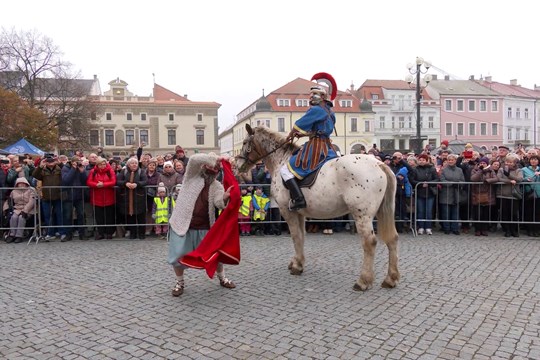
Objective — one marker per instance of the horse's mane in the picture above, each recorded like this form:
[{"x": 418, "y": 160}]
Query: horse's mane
[{"x": 271, "y": 139}]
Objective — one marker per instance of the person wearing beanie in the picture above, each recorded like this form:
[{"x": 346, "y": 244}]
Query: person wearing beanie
[
  {"x": 483, "y": 196},
  {"x": 180, "y": 154},
  {"x": 169, "y": 177},
  {"x": 424, "y": 179},
  {"x": 161, "y": 211},
  {"x": 23, "y": 200}
]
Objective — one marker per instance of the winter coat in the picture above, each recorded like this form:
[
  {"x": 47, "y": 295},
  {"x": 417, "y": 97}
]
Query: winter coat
[
  {"x": 403, "y": 183},
  {"x": 22, "y": 198},
  {"x": 103, "y": 196},
  {"x": 505, "y": 190},
  {"x": 528, "y": 176},
  {"x": 170, "y": 180},
  {"x": 488, "y": 178},
  {"x": 139, "y": 193},
  {"x": 49, "y": 177},
  {"x": 73, "y": 179},
  {"x": 422, "y": 174},
  {"x": 152, "y": 183},
  {"x": 448, "y": 192}
]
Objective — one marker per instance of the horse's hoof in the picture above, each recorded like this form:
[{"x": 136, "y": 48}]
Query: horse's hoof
[
  {"x": 290, "y": 266},
  {"x": 387, "y": 285},
  {"x": 358, "y": 287},
  {"x": 295, "y": 271}
]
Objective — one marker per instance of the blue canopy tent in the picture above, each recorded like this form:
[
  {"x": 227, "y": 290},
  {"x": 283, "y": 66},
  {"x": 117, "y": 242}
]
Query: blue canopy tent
[{"x": 22, "y": 147}]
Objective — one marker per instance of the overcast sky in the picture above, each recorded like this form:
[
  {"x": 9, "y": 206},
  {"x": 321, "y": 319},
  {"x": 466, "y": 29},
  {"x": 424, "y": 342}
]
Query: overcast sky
[{"x": 229, "y": 51}]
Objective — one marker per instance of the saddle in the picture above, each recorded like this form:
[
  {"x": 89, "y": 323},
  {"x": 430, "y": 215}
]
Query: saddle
[{"x": 308, "y": 181}]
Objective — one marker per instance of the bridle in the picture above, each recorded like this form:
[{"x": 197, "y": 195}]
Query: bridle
[{"x": 260, "y": 156}]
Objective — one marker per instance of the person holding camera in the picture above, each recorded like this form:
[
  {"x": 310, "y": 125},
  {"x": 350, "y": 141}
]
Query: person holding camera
[
  {"x": 483, "y": 195},
  {"x": 74, "y": 178}
]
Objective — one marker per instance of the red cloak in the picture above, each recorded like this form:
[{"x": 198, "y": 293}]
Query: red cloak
[{"x": 222, "y": 242}]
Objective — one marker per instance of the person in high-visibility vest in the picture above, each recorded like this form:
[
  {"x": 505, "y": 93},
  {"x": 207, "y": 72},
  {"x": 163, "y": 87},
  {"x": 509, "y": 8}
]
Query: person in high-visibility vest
[
  {"x": 245, "y": 211},
  {"x": 161, "y": 211},
  {"x": 261, "y": 205}
]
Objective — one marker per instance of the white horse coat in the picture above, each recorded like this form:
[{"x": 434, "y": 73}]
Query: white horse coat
[{"x": 359, "y": 185}]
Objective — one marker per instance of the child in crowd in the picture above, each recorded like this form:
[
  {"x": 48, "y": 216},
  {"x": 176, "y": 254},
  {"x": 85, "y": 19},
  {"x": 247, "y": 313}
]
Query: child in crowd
[
  {"x": 245, "y": 212},
  {"x": 261, "y": 204},
  {"x": 161, "y": 211}
]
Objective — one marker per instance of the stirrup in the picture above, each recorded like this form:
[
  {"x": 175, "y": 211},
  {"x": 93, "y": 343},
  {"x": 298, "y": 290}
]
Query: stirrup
[{"x": 295, "y": 208}]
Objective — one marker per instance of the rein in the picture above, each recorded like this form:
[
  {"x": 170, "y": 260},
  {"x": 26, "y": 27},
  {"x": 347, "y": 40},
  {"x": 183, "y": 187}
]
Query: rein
[{"x": 260, "y": 155}]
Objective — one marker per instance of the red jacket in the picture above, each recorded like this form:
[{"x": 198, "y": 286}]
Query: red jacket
[{"x": 104, "y": 196}]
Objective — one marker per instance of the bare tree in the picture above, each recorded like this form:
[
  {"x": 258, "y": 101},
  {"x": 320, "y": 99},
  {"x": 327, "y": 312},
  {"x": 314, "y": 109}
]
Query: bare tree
[{"x": 33, "y": 66}]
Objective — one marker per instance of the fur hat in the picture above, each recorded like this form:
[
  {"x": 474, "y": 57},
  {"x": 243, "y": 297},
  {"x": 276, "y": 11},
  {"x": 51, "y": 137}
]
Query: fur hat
[{"x": 161, "y": 187}]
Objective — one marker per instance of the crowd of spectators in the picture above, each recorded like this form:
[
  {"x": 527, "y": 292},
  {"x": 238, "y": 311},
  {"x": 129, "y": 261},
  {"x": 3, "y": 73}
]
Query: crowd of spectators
[{"x": 96, "y": 195}]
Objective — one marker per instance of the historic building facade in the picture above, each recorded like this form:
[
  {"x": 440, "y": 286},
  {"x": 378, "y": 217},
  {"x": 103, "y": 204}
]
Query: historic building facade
[{"x": 161, "y": 121}]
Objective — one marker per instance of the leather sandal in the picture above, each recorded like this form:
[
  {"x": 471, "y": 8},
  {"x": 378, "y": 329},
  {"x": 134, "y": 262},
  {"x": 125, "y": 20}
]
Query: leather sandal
[{"x": 226, "y": 283}]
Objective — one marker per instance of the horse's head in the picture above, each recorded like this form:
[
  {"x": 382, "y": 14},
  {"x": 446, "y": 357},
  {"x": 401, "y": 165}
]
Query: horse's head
[{"x": 248, "y": 156}]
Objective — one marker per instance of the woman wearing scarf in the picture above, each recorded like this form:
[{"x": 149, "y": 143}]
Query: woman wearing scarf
[{"x": 132, "y": 198}]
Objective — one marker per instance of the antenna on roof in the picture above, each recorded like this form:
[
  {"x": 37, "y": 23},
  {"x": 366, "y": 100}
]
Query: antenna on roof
[
  {"x": 263, "y": 92},
  {"x": 154, "y": 77}
]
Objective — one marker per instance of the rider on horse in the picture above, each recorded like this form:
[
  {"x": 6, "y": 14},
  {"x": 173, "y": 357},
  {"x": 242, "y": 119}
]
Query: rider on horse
[{"x": 317, "y": 123}]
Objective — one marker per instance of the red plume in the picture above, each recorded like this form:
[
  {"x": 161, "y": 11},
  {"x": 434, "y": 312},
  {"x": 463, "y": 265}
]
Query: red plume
[{"x": 329, "y": 81}]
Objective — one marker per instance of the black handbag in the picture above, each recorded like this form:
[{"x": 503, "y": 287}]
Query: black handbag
[{"x": 516, "y": 193}]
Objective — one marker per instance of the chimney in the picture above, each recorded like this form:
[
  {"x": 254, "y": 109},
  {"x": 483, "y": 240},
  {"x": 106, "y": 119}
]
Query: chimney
[
  {"x": 446, "y": 77},
  {"x": 536, "y": 87},
  {"x": 488, "y": 78},
  {"x": 471, "y": 77},
  {"x": 433, "y": 77},
  {"x": 513, "y": 82},
  {"x": 352, "y": 86},
  {"x": 95, "y": 77},
  {"x": 185, "y": 95}
]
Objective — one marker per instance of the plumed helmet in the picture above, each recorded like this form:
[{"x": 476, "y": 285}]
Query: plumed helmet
[{"x": 327, "y": 80}]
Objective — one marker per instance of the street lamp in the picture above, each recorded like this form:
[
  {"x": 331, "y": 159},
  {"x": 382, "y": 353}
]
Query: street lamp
[{"x": 418, "y": 70}]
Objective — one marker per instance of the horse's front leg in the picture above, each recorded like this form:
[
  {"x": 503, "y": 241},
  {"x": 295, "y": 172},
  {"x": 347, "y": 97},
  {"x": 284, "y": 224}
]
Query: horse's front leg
[
  {"x": 369, "y": 243},
  {"x": 296, "y": 225}
]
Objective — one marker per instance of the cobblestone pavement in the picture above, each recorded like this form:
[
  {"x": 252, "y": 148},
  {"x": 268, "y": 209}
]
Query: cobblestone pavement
[{"x": 460, "y": 297}]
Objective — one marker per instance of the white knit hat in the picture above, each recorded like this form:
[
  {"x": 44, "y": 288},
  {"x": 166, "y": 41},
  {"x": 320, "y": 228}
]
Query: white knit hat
[
  {"x": 161, "y": 187},
  {"x": 168, "y": 163}
]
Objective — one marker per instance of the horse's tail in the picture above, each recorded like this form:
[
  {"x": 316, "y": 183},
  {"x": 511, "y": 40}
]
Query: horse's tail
[{"x": 386, "y": 225}]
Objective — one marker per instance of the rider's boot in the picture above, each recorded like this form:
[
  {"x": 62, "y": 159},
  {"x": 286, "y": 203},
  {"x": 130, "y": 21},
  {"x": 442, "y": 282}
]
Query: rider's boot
[{"x": 297, "y": 198}]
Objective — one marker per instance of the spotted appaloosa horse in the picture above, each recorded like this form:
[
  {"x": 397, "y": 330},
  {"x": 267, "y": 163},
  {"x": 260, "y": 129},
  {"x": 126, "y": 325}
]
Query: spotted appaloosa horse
[{"x": 359, "y": 185}]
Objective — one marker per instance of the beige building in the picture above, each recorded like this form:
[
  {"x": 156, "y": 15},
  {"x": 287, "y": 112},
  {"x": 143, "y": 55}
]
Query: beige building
[
  {"x": 282, "y": 107},
  {"x": 161, "y": 121}
]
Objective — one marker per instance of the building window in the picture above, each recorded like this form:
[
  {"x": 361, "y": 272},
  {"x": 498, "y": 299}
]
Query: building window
[
  {"x": 129, "y": 116},
  {"x": 302, "y": 102},
  {"x": 518, "y": 134},
  {"x": 472, "y": 129},
  {"x": 200, "y": 137},
  {"x": 284, "y": 102},
  {"x": 267, "y": 123},
  {"x": 109, "y": 137},
  {"x": 366, "y": 126},
  {"x": 375, "y": 96},
  {"x": 509, "y": 134},
  {"x": 472, "y": 105},
  {"x": 401, "y": 102},
  {"x": 448, "y": 129},
  {"x": 430, "y": 122},
  {"x": 509, "y": 113},
  {"x": 483, "y": 129},
  {"x": 518, "y": 113},
  {"x": 108, "y": 116},
  {"x": 381, "y": 122},
  {"x": 345, "y": 103},
  {"x": 171, "y": 137},
  {"x": 401, "y": 122},
  {"x": 130, "y": 137},
  {"x": 94, "y": 137},
  {"x": 526, "y": 135},
  {"x": 199, "y": 117},
  {"x": 494, "y": 106},
  {"x": 143, "y": 136},
  {"x": 93, "y": 115},
  {"x": 171, "y": 117},
  {"x": 393, "y": 122},
  {"x": 410, "y": 122},
  {"x": 495, "y": 129},
  {"x": 460, "y": 105},
  {"x": 526, "y": 113},
  {"x": 483, "y": 105},
  {"x": 448, "y": 105},
  {"x": 354, "y": 125},
  {"x": 460, "y": 129},
  {"x": 143, "y": 116},
  {"x": 281, "y": 124}
]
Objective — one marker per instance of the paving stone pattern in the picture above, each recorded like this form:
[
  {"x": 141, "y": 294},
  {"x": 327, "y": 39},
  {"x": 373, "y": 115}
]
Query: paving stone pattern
[{"x": 460, "y": 297}]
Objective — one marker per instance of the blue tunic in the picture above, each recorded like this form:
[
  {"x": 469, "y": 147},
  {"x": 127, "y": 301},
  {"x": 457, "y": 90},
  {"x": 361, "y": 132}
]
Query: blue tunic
[{"x": 317, "y": 123}]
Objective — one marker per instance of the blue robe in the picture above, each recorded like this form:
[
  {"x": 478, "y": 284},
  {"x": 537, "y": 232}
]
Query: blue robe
[{"x": 317, "y": 123}]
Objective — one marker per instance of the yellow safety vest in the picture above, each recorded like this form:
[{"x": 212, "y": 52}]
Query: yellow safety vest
[
  {"x": 162, "y": 209},
  {"x": 261, "y": 201},
  {"x": 246, "y": 202}
]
